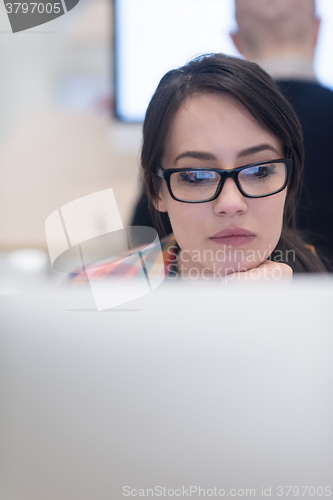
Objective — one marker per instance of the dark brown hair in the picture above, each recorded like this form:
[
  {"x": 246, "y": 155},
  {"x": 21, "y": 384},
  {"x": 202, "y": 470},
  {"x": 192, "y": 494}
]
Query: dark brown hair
[{"x": 257, "y": 92}]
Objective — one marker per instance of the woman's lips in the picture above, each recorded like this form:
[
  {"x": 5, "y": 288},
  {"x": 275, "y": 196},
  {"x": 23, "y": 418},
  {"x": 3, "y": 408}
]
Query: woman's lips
[{"x": 235, "y": 236}]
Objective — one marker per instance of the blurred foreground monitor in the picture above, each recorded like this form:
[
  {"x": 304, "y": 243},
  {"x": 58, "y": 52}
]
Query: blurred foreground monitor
[{"x": 216, "y": 386}]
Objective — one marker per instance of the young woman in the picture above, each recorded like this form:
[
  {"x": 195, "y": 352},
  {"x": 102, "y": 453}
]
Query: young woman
[{"x": 222, "y": 154}]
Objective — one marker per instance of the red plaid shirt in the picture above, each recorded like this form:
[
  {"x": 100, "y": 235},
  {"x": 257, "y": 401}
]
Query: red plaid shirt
[{"x": 120, "y": 268}]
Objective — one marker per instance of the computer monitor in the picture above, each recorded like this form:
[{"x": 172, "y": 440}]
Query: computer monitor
[
  {"x": 152, "y": 37},
  {"x": 193, "y": 390}
]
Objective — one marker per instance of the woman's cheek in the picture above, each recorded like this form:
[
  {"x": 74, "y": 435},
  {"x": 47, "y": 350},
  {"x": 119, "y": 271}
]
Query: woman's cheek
[
  {"x": 271, "y": 229},
  {"x": 189, "y": 221}
]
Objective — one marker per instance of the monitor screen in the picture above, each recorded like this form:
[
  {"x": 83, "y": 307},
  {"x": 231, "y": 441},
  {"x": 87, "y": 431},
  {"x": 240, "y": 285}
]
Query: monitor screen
[{"x": 154, "y": 36}]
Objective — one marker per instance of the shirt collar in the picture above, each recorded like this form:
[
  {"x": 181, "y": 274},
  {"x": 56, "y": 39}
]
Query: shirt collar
[{"x": 289, "y": 68}]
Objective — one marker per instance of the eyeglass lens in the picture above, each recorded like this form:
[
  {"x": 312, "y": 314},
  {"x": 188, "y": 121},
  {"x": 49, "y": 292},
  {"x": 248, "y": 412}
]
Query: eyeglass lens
[{"x": 200, "y": 185}]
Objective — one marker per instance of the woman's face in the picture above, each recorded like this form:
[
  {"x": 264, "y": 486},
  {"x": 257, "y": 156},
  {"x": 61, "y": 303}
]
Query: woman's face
[{"x": 215, "y": 131}]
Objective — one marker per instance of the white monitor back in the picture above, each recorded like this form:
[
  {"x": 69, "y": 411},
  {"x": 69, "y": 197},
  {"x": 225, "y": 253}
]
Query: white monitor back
[{"x": 211, "y": 386}]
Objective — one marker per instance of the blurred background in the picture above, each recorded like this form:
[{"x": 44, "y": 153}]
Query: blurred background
[
  {"x": 58, "y": 138},
  {"x": 63, "y": 132}
]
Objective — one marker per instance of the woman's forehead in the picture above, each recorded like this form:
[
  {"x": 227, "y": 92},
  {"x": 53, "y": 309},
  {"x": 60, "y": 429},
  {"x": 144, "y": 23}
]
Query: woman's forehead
[
  {"x": 213, "y": 106},
  {"x": 205, "y": 120}
]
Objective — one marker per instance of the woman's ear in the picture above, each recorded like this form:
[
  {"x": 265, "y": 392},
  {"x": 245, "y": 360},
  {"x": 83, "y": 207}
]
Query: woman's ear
[
  {"x": 234, "y": 35},
  {"x": 160, "y": 205},
  {"x": 159, "y": 202}
]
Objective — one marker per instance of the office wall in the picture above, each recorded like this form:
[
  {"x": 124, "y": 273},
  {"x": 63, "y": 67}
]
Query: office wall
[{"x": 58, "y": 141}]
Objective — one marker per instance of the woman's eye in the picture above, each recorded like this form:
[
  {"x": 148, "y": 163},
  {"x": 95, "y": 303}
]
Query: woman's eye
[
  {"x": 259, "y": 172},
  {"x": 197, "y": 176}
]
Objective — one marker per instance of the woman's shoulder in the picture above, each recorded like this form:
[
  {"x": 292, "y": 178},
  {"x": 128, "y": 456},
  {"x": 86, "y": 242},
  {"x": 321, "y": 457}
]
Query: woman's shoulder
[
  {"x": 169, "y": 247},
  {"x": 162, "y": 254},
  {"x": 299, "y": 255},
  {"x": 170, "y": 250}
]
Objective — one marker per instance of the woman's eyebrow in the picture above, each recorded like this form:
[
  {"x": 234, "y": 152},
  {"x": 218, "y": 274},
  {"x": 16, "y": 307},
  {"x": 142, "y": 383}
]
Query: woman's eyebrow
[
  {"x": 202, "y": 155},
  {"x": 257, "y": 149},
  {"x": 198, "y": 155}
]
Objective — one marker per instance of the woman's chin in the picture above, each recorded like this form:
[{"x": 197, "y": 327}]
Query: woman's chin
[
  {"x": 218, "y": 270},
  {"x": 237, "y": 267}
]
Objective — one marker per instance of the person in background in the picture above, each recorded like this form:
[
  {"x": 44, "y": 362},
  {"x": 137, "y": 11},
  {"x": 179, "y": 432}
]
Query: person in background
[{"x": 281, "y": 36}]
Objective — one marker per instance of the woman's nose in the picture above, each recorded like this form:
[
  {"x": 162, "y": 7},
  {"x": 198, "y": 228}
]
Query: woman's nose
[{"x": 230, "y": 201}]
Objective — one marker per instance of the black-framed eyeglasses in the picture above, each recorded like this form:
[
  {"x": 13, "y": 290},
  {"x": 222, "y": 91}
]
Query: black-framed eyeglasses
[{"x": 200, "y": 185}]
